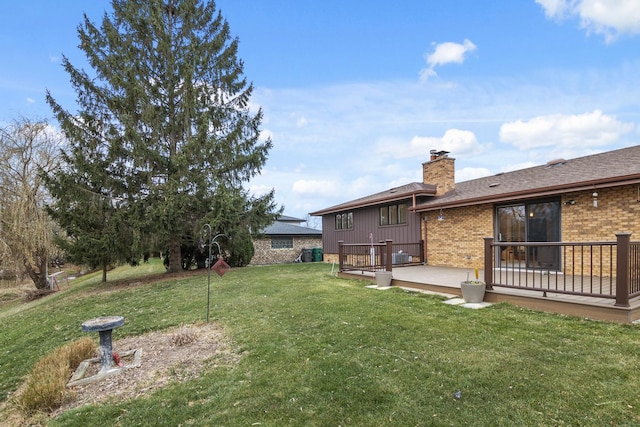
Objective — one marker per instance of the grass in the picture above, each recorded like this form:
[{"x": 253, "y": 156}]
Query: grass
[{"x": 317, "y": 350}]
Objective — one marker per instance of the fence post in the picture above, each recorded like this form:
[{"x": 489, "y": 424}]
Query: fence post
[
  {"x": 340, "y": 254},
  {"x": 622, "y": 269},
  {"x": 389, "y": 263},
  {"x": 488, "y": 262}
]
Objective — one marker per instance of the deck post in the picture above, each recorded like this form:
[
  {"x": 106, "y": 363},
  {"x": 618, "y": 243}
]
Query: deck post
[
  {"x": 488, "y": 262},
  {"x": 340, "y": 254},
  {"x": 622, "y": 269},
  {"x": 389, "y": 263}
]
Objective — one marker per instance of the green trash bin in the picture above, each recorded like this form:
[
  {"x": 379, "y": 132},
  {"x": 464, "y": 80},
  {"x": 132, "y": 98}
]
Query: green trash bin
[{"x": 316, "y": 254}]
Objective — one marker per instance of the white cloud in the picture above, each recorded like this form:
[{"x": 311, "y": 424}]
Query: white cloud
[
  {"x": 420, "y": 144},
  {"x": 460, "y": 141},
  {"x": 455, "y": 141},
  {"x": 449, "y": 52},
  {"x": 446, "y": 53},
  {"x": 554, "y": 9},
  {"x": 359, "y": 187},
  {"x": 609, "y": 18},
  {"x": 266, "y": 134},
  {"x": 306, "y": 188},
  {"x": 259, "y": 190},
  {"x": 578, "y": 130},
  {"x": 30, "y": 101}
]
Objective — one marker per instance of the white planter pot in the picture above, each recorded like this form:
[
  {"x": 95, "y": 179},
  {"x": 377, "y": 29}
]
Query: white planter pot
[
  {"x": 472, "y": 292},
  {"x": 383, "y": 279}
]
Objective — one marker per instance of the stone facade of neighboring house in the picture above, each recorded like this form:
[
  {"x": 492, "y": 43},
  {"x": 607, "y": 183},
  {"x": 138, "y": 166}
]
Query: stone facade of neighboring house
[
  {"x": 589, "y": 198},
  {"x": 284, "y": 241}
]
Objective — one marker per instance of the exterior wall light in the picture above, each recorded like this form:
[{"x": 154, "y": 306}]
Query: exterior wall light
[
  {"x": 595, "y": 200},
  {"x": 441, "y": 216}
]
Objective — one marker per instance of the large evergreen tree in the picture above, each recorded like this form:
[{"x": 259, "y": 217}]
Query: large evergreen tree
[{"x": 165, "y": 116}]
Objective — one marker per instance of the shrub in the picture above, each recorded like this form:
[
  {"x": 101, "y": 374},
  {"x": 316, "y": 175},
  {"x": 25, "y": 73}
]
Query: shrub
[
  {"x": 45, "y": 389},
  {"x": 184, "y": 336},
  {"x": 80, "y": 350},
  {"x": 241, "y": 249}
]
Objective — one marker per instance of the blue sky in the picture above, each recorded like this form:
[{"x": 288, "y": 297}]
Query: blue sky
[{"x": 356, "y": 93}]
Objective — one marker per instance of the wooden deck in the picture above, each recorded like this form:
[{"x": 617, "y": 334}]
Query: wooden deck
[{"x": 447, "y": 280}]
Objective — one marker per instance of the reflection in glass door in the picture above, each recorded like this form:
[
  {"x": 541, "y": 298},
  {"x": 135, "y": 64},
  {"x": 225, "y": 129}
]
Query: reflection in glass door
[
  {"x": 533, "y": 222},
  {"x": 511, "y": 228}
]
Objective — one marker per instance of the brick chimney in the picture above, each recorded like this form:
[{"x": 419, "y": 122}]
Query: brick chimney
[{"x": 440, "y": 171}]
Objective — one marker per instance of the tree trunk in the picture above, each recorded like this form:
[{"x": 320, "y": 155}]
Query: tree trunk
[
  {"x": 175, "y": 257},
  {"x": 104, "y": 273},
  {"x": 39, "y": 278}
]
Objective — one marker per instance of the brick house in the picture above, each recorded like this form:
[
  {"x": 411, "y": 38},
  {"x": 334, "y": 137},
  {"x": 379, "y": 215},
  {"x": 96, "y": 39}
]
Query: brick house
[
  {"x": 283, "y": 241},
  {"x": 589, "y": 198}
]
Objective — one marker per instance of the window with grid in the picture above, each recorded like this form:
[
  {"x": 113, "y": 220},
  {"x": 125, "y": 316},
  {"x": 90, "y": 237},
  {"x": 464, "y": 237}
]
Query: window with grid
[{"x": 344, "y": 221}]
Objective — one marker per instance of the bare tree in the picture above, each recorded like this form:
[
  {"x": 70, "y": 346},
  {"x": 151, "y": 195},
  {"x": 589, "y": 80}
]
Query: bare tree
[
  {"x": 313, "y": 222},
  {"x": 27, "y": 151}
]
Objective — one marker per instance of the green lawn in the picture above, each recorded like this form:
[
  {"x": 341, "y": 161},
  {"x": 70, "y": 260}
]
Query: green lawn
[{"x": 316, "y": 350}]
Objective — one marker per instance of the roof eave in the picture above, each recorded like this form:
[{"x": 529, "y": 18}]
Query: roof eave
[
  {"x": 528, "y": 194},
  {"x": 355, "y": 205}
]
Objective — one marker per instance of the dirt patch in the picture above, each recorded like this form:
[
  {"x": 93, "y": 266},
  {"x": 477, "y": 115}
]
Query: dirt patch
[{"x": 169, "y": 356}]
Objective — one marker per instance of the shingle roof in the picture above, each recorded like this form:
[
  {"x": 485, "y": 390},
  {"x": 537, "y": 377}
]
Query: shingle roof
[
  {"x": 286, "y": 218},
  {"x": 607, "y": 169},
  {"x": 282, "y": 228},
  {"x": 397, "y": 193}
]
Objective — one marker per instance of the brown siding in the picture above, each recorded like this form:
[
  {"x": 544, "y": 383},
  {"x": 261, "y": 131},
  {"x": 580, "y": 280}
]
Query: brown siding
[{"x": 366, "y": 221}]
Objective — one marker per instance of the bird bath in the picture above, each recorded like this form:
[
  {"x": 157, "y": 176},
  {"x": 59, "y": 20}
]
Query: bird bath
[{"x": 104, "y": 326}]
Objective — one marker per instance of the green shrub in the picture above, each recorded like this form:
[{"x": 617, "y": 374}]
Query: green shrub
[
  {"x": 45, "y": 389},
  {"x": 241, "y": 248}
]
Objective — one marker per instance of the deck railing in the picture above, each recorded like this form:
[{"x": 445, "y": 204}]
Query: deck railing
[
  {"x": 379, "y": 256},
  {"x": 598, "y": 269},
  {"x": 634, "y": 269}
]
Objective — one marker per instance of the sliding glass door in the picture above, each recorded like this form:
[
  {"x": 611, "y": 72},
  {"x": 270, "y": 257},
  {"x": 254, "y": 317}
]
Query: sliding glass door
[{"x": 529, "y": 222}]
